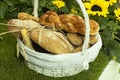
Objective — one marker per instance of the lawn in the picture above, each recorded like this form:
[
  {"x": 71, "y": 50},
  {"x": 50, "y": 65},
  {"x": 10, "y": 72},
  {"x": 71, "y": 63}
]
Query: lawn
[{"x": 13, "y": 68}]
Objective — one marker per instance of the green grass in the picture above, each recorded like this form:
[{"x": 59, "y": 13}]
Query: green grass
[{"x": 13, "y": 68}]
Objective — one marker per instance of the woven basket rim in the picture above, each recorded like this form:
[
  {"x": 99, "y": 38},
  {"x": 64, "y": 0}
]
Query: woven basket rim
[{"x": 59, "y": 55}]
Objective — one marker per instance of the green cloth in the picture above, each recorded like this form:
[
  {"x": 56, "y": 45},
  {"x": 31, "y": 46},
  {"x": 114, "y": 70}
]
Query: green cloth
[{"x": 13, "y": 68}]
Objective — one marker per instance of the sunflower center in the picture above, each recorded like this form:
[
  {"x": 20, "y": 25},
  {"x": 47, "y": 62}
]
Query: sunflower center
[
  {"x": 96, "y": 8},
  {"x": 107, "y": 0}
]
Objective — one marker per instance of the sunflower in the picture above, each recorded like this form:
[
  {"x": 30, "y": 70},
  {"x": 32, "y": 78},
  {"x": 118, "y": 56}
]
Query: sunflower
[
  {"x": 59, "y": 3},
  {"x": 99, "y": 7},
  {"x": 117, "y": 13},
  {"x": 111, "y": 1}
]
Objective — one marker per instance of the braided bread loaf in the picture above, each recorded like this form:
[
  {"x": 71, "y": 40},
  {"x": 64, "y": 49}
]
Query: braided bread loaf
[{"x": 68, "y": 22}]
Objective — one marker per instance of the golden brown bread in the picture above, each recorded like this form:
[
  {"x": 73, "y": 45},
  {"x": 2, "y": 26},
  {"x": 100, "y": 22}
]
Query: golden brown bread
[
  {"x": 74, "y": 38},
  {"x": 26, "y": 38},
  {"x": 52, "y": 41},
  {"x": 77, "y": 24},
  {"x": 18, "y": 25},
  {"x": 68, "y": 22},
  {"x": 79, "y": 48},
  {"x": 49, "y": 18},
  {"x": 94, "y": 28},
  {"x": 93, "y": 39},
  {"x": 26, "y": 16}
]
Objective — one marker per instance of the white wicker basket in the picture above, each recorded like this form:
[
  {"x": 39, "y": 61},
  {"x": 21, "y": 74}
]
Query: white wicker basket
[{"x": 63, "y": 64}]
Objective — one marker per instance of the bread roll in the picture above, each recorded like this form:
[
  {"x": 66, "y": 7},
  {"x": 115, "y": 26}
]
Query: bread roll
[{"x": 74, "y": 38}]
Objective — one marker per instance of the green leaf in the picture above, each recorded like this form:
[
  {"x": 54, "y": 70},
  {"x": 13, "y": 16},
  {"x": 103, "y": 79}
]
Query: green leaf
[
  {"x": 114, "y": 48},
  {"x": 118, "y": 59},
  {"x": 42, "y": 3},
  {"x": 64, "y": 10},
  {"x": 106, "y": 34},
  {"x": 11, "y": 2},
  {"x": 117, "y": 5},
  {"x": 23, "y": 1},
  {"x": 3, "y": 8},
  {"x": 111, "y": 24}
]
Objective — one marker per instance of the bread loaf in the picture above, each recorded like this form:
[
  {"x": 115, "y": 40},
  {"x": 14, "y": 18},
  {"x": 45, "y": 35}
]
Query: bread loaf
[
  {"x": 53, "y": 42},
  {"x": 74, "y": 38}
]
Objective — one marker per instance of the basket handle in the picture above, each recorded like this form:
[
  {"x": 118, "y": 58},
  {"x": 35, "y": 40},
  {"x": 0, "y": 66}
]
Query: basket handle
[
  {"x": 35, "y": 8},
  {"x": 86, "y": 19},
  {"x": 87, "y": 33}
]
